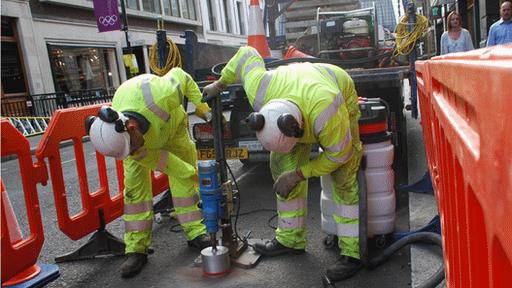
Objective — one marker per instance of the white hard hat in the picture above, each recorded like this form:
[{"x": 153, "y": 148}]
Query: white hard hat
[
  {"x": 107, "y": 140},
  {"x": 270, "y": 136}
]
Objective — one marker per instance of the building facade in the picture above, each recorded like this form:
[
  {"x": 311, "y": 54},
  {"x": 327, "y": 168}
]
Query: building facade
[{"x": 54, "y": 46}]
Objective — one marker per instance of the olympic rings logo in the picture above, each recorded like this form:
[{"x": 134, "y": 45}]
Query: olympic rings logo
[{"x": 108, "y": 20}]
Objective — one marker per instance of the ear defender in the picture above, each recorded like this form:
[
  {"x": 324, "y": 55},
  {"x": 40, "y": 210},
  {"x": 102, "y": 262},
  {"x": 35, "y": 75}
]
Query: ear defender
[
  {"x": 255, "y": 121},
  {"x": 88, "y": 123},
  {"x": 108, "y": 114},
  {"x": 289, "y": 126}
]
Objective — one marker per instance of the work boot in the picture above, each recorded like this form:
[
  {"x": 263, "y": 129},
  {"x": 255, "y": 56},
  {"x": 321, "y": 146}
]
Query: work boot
[
  {"x": 274, "y": 248},
  {"x": 133, "y": 264},
  {"x": 345, "y": 267},
  {"x": 200, "y": 242}
]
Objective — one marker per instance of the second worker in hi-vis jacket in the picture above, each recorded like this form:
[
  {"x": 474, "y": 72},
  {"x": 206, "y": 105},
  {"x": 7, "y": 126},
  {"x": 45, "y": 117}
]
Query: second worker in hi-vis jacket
[{"x": 295, "y": 107}]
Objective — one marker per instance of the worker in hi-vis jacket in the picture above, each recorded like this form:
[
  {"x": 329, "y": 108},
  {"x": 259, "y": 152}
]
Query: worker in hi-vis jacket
[
  {"x": 147, "y": 128},
  {"x": 296, "y": 106}
]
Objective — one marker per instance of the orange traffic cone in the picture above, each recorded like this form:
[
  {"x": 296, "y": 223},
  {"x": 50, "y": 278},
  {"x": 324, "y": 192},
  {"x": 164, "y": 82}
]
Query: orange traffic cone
[
  {"x": 12, "y": 223},
  {"x": 13, "y": 230},
  {"x": 293, "y": 52},
  {"x": 256, "y": 37}
]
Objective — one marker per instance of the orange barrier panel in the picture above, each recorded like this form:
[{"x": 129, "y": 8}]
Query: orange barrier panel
[
  {"x": 19, "y": 255},
  {"x": 68, "y": 124},
  {"x": 293, "y": 52},
  {"x": 466, "y": 111},
  {"x": 423, "y": 85}
]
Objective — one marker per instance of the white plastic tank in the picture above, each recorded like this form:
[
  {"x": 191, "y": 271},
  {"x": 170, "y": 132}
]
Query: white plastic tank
[
  {"x": 356, "y": 26},
  {"x": 379, "y": 177},
  {"x": 378, "y": 174},
  {"x": 380, "y": 180}
]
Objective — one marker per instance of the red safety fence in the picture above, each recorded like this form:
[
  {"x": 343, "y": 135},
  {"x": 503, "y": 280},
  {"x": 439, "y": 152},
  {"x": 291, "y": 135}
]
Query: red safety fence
[
  {"x": 466, "y": 111},
  {"x": 68, "y": 124},
  {"x": 19, "y": 255}
]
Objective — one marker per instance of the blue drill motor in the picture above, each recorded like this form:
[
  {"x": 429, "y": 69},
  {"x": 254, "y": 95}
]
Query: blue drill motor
[{"x": 211, "y": 194}]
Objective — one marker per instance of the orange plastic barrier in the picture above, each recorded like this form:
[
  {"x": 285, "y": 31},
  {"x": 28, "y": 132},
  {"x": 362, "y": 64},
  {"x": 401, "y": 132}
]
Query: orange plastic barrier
[
  {"x": 19, "y": 255},
  {"x": 68, "y": 124},
  {"x": 466, "y": 112}
]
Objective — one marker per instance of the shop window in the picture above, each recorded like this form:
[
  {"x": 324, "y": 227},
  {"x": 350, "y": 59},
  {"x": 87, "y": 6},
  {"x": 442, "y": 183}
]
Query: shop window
[
  {"x": 191, "y": 9},
  {"x": 152, "y": 6},
  {"x": 241, "y": 17},
  {"x": 132, "y": 4},
  {"x": 83, "y": 68},
  {"x": 14, "y": 85},
  {"x": 180, "y": 8},
  {"x": 211, "y": 15},
  {"x": 7, "y": 28},
  {"x": 171, "y": 8},
  {"x": 13, "y": 81},
  {"x": 138, "y": 67},
  {"x": 227, "y": 16},
  {"x": 188, "y": 9}
]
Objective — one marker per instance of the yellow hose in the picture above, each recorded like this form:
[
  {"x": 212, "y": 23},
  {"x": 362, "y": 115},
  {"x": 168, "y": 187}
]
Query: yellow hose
[
  {"x": 173, "y": 59},
  {"x": 405, "y": 40}
]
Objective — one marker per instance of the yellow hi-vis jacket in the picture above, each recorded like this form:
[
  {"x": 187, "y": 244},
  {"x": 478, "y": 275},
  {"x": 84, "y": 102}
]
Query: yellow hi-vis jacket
[
  {"x": 321, "y": 100},
  {"x": 167, "y": 148},
  {"x": 157, "y": 98}
]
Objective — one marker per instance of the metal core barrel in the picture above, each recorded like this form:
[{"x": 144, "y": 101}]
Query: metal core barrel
[{"x": 215, "y": 262}]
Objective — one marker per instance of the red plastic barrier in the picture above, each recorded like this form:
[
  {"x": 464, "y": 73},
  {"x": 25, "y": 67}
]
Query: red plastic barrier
[
  {"x": 19, "y": 255},
  {"x": 65, "y": 125},
  {"x": 466, "y": 110}
]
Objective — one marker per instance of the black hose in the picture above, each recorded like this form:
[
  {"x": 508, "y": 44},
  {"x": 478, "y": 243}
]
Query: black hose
[
  {"x": 423, "y": 237},
  {"x": 419, "y": 237}
]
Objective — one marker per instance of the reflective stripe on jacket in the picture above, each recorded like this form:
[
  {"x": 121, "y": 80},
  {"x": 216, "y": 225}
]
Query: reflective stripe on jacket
[{"x": 158, "y": 100}]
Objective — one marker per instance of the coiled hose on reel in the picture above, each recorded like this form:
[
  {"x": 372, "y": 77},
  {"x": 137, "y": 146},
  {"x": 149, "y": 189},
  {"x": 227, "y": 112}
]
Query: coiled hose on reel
[
  {"x": 172, "y": 60},
  {"x": 405, "y": 40}
]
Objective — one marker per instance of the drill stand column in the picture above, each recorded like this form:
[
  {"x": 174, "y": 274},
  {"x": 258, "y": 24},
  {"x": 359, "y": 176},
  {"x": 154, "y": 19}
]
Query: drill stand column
[{"x": 241, "y": 254}]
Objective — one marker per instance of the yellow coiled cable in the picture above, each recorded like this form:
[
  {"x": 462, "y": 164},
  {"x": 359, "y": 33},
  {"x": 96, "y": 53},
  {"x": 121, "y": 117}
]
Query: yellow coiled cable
[
  {"x": 173, "y": 59},
  {"x": 405, "y": 40}
]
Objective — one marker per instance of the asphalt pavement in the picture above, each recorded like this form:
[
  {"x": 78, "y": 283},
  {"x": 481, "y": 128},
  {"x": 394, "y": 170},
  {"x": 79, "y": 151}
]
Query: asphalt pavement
[{"x": 172, "y": 263}]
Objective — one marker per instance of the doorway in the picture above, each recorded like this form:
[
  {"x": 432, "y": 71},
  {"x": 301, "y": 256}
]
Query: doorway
[{"x": 14, "y": 87}]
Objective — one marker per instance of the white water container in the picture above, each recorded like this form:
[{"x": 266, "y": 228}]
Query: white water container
[
  {"x": 380, "y": 182},
  {"x": 379, "y": 177}
]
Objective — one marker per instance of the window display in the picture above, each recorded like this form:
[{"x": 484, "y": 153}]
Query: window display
[{"x": 83, "y": 68}]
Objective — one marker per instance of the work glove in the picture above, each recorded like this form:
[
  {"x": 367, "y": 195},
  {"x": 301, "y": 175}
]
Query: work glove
[
  {"x": 213, "y": 89},
  {"x": 287, "y": 181},
  {"x": 203, "y": 111}
]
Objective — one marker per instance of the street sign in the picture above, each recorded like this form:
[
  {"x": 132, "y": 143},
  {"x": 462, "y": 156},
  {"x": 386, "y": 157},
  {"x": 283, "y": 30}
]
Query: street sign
[{"x": 435, "y": 12}]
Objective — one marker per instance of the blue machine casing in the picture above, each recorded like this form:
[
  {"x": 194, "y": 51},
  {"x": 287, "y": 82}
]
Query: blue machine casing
[{"x": 211, "y": 194}]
